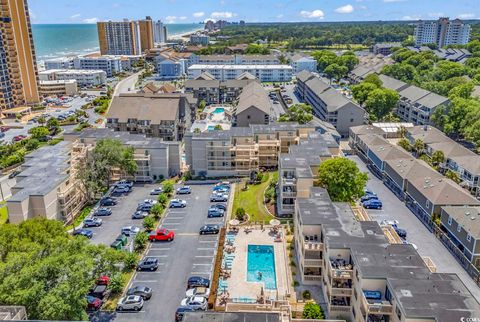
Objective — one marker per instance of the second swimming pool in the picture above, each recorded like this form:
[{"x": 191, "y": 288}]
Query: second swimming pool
[{"x": 261, "y": 266}]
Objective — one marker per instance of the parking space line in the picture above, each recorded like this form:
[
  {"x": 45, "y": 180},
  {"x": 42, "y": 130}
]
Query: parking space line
[
  {"x": 209, "y": 264},
  {"x": 187, "y": 234},
  {"x": 172, "y": 223},
  {"x": 204, "y": 256},
  {"x": 207, "y": 241},
  {"x": 200, "y": 273},
  {"x": 154, "y": 248},
  {"x": 210, "y": 248},
  {"x": 158, "y": 256},
  {"x": 146, "y": 281}
]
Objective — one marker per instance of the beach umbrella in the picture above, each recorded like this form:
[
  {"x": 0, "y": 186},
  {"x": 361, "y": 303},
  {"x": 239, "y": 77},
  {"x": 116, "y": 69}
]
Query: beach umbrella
[
  {"x": 234, "y": 222},
  {"x": 275, "y": 222}
]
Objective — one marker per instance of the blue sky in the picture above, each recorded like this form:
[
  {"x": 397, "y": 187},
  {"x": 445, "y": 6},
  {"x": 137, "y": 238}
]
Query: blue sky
[{"x": 184, "y": 11}]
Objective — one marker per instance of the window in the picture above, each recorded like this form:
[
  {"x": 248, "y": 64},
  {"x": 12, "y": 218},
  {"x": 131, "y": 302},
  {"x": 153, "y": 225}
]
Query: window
[
  {"x": 450, "y": 220},
  {"x": 427, "y": 204},
  {"x": 469, "y": 237},
  {"x": 459, "y": 228}
]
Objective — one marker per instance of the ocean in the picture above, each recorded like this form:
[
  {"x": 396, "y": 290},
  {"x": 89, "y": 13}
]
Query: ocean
[{"x": 58, "y": 40}]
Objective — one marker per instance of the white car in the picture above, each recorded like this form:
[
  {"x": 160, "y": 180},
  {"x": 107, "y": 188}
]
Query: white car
[
  {"x": 130, "y": 230},
  {"x": 131, "y": 302},
  {"x": 195, "y": 303},
  {"x": 389, "y": 222},
  {"x": 149, "y": 201},
  {"x": 198, "y": 291},
  {"x": 156, "y": 191},
  {"x": 178, "y": 203}
]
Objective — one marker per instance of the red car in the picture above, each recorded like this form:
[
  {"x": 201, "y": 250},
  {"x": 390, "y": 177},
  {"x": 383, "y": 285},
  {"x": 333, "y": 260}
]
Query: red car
[
  {"x": 93, "y": 303},
  {"x": 161, "y": 234},
  {"x": 19, "y": 138},
  {"x": 103, "y": 280}
]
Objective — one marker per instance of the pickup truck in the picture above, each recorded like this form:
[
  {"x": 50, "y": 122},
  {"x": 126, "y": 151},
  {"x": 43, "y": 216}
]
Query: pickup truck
[{"x": 161, "y": 234}]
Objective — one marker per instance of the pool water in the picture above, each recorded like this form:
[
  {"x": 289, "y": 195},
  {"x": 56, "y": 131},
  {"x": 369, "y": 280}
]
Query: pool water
[
  {"x": 261, "y": 259},
  {"x": 218, "y": 110},
  {"x": 211, "y": 128}
]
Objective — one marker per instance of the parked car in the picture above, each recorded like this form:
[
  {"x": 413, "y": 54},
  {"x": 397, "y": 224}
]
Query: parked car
[
  {"x": 99, "y": 291},
  {"x": 103, "y": 280},
  {"x": 185, "y": 190},
  {"x": 103, "y": 211},
  {"x": 221, "y": 187},
  {"x": 18, "y": 138},
  {"x": 121, "y": 190},
  {"x": 181, "y": 312},
  {"x": 156, "y": 191},
  {"x": 372, "y": 204},
  {"x": 131, "y": 302},
  {"x": 195, "y": 302},
  {"x": 221, "y": 190},
  {"x": 83, "y": 232},
  {"x": 221, "y": 206},
  {"x": 139, "y": 214},
  {"x": 92, "y": 222},
  {"x": 93, "y": 303},
  {"x": 142, "y": 291},
  {"x": 402, "y": 233},
  {"x": 369, "y": 192},
  {"x": 144, "y": 207},
  {"x": 124, "y": 183},
  {"x": 177, "y": 203},
  {"x": 130, "y": 230},
  {"x": 198, "y": 291},
  {"x": 368, "y": 197},
  {"x": 161, "y": 234},
  {"x": 215, "y": 212},
  {"x": 197, "y": 281},
  {"x": 209, "y": 229},
  {"x": 389, "y": 222},
  {"x": 148, "y": 263},
  {"x": 108, "y": 201},
  {"x": 13, "y": 174},
  {"x": 217, "y": 197},
  {"x": 148, "y": 202}
]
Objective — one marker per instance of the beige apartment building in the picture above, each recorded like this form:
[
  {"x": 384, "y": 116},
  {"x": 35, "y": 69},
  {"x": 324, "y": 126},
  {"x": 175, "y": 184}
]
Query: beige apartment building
[
  {"x": 58, "y": 87},
  {"x": 18, "y": 68},
  {"x": 363, "y": 277},
  {"x": 241, "y": 150}
]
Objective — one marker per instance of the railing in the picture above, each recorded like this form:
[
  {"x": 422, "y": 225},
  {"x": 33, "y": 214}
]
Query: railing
[
  {"x": 289, "y": 193},
  {"x": 312, "y": 245},
  {"x": 342, "y": 273},
  {"x": 312, "y": 262},
  {"x": 289, "y": 180},
  {"x": 288, "y": 207},
  {"x": 340, "y": 308},
  {"x": 375, "y": 307},
  {"x": 313, "y": 278},
  {"x": 341, "y": 291}
]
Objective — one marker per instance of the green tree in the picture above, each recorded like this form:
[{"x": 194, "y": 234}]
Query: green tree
[
  {"x": 240, "y": 214},
  {"x": 404, "y": 144},
  {"x": 168, "y": 188},
  {"x": 324, "y": 58},
  {"x": 418, "y": 147},
  {"x": 162, "y": 199},
  {"x": 380, "y": 102},
  {"x": 335, "y": 71},
  {"x": 463, "y": 91},
  {"x": 438, "y": 157},
  {"x": 373, "y": 79},
  {"x": 140, "y": 241},
  {"x": 157, "y": 210},
  {"x": 32, "y": 144},
  {"x": 53, "y": 124},
  {"x": 218, "y": 127},
  {"x": 95, "y": 171},
  {"x": 39, "y": 132},
  {"x": 201, "y": 105},
  {"x": 148, "y": 222},
  {"x": 361, "y": 91},
  {"x": 342, "y": 179},
  {"x": 41, "y": 120},
  {"x": 300, "y": 113},
  {"x": 453, "y": 176},
  {"x": 348, "y": 60},
  {"x": 312, "y": 311},
  {"x": 117, "y": 283}
]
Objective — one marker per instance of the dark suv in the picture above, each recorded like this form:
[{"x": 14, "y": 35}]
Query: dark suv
[
  {"x": 149, "y": 263},
  {"x": 198, "y": 281},
  {"x": 107, "y": 201}
]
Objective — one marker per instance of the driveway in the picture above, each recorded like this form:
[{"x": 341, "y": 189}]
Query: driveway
[
  {"x": 189, "y": 254},
  {"x": 417, "y": 233}
]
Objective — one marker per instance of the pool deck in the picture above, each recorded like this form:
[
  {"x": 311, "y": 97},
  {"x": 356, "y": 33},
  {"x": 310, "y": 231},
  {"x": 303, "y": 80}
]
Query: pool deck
[{"x": 238, "y": 287}]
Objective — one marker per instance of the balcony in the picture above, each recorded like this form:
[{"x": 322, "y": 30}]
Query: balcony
[
  {"x": 289, "y": 180},
  {"x": 312, "y": 245},
  {"x": 288, "y": 206},
  {"x": 339, "y": 308},
  {"x": 312, "y": 262},
  {"x": 312, "y": 278},
  {"x": 340, "y": 270},
  {"x": 341, "y": 291},
  {"x": 376, "y": 306},
  {"x": 291, "y": 194}
]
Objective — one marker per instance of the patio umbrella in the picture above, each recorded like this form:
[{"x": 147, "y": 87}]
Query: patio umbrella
[
  {"x": 275, "y": 222},
  {"x": 234, "y": 222}
]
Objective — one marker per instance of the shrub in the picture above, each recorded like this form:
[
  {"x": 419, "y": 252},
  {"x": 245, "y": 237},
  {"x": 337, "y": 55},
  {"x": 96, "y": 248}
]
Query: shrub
[
  {"x": 157, "y": 210},
  {"x": 306, "y": 295},
  {"x": 240, "y": 214},
  {"x": 32, "y": 144},
  {"x": 162, "y": 199},
  {"x": 292, "y": 263},
  {"x": 295, "y": 283},
  {"x": 130, "y": 261},
  {"x": 148, "y": 222},
  {"x": 117, "y": 282},
  {"x": 141, "y": 240},
  {"x": 168, "y": 187},
  {"x": 312, "y": 311}
]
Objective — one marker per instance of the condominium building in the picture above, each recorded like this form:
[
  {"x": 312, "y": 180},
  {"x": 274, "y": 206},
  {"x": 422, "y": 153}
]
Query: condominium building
[
  {"x": 236, "y": 60},
  {"x": 85, "y": 78},
  {"x": 58, "y": 87},
  {"x": 125, "y": 37},
  {"x": 328, "y": 104},
  {"x": 365, "y": 278},
  {"x": 442, "y": 32},
  {"x": 159, "y": 32},
  {"x": 300, "y": 63},
  {"x": 199, "y": 39},
  {"x": 171, "y": 64},
  {"x": 265, "y": 73},
  {"x": 240, "y": 151},
  {"x": 18, "y": 67},
  {"x": 253, "y": 106},
  {"x": 163, "y": 116},
  {"x": 385, "y": 48},
  {"x": 109, "y": 64},
  {"x": 59, "y": 63}
]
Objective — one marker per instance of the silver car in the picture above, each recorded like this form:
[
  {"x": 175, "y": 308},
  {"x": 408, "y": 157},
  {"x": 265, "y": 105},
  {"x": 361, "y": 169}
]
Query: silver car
[
  {"x": 131, "y": 302},
  {"x": 195, "y": 302}
]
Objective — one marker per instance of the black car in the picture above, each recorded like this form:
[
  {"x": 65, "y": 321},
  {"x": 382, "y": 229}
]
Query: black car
[
  {"x": 103, "y": 212},
  {"x": 181, "y": 312},
  {"x": 149, "y": 263},
  {"x": 143, "y": 291},
  {"x": 108, "y": 201},
  {"x": 83, "y": 232},
  {"x": 209, "y": 229},
  {"x": 402, "y": 233},
  {"x": 220, "y": 206},
  {"x": 197, "y": 281}
]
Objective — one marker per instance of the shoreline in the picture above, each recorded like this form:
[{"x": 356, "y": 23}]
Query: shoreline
[{"x": 184, "y": 34}]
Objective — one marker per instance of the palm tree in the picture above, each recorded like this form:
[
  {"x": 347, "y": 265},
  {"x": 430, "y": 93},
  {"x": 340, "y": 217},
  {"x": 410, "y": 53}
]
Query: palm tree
[
  {"x": 438, "y": 157},
  {"x": 402, "y": 131},
  {"x": 41, "y": 120},
  {"x": 418, "y": 147}
]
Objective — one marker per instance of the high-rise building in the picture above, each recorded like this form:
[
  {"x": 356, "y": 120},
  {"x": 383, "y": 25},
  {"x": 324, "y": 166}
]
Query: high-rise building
[
  {"x": 160, "y": 32},
  {"x": 125, "y": 37},
  {"x": 18, "y": 68},
  {"x": 442, "y": 32}
]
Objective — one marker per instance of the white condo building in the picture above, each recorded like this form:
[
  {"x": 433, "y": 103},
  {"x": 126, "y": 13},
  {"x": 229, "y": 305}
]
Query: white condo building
[
  {"x": 265, "y": 73},
  {"x": 159, "y": 32},
  {"x": 83, "y": 77},
  {"x": 442, "y": 32}
]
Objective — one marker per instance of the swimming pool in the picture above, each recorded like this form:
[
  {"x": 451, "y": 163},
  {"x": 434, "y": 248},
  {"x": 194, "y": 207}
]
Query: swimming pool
[
  {"x": 219, "y": 110},
  {"x": 261, "y": 259},
  {"x": 211, "y": 128}
]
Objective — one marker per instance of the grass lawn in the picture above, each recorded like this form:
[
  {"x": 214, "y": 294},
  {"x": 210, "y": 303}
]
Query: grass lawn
[
  {"x": 81, "y": 216},
  {"x": 252, "y": 199},
  {"x": 3, "y": 213}
]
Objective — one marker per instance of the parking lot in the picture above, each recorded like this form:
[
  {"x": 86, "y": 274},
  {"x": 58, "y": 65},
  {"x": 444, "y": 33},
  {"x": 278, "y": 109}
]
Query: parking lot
[
  {"x": 189, "y": 254},
  {"x": 417, "y": 233}
]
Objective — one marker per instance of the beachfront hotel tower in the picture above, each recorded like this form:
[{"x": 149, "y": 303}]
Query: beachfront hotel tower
[
  {"x": 18, "y": 69},
  {"x": 125, "y": 37}
]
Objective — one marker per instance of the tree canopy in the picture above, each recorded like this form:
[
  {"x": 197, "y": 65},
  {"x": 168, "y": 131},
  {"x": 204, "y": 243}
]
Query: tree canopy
[
  {"x": 49, "y": 271},
  {"x": 342, "y": 179},
  {"x": 301, "y": 113}
]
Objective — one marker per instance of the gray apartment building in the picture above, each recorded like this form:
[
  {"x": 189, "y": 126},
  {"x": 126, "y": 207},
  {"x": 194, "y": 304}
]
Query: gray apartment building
[
  {"x": 328, "y": 104},
  {"x": 163, "y": 116},
  {"x": 253, "y": 106},
  {"x": 365, "y": 278}
]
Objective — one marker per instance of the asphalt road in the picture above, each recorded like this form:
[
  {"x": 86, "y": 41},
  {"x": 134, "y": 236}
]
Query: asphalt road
[
  {"x": 417, "y": 233},
  {"x": 189, "y": 254},
  {"x": 127, "y": 84}
]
